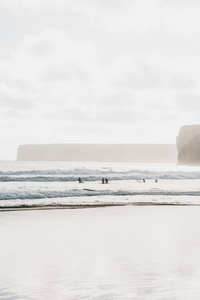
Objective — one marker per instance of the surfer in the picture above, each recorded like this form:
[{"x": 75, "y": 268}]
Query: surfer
[
  {"x": 156, "y": 180},
  {"x": 102, "y": 180},
  {"x": 79, "y": 180},
  {"x": 106, "y": 180},
  {"x": 143, "y": 180}
]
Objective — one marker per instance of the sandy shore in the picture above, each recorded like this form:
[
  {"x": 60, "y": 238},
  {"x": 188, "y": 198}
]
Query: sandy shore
[
  {"x": 97, "y": 202},
  {"x": 132, "y": 252}
]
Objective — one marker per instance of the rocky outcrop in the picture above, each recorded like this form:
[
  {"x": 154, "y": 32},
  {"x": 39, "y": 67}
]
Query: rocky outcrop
[{"x": 188, "y": 145}]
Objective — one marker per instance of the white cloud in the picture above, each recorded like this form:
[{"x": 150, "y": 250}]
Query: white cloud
[
  {"x": 100, "y": 71},
  {"x": 189, "y": 102},
  {"x": 35, "y": 6},
  {"x": 56, "y": 71}
]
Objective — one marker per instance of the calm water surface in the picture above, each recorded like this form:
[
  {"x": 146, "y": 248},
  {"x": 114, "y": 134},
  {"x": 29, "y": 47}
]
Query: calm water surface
[{"x": 105, "y": 253}]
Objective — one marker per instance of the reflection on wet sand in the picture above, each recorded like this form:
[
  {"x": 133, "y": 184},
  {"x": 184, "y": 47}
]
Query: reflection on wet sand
[{"x": 104, "y": 253}]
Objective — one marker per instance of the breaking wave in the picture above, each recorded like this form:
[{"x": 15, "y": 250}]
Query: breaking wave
[
  {"x": 93, "y": 175},
  {"x": 31, "y": 181},
  {"x": 88, "y": 193}
]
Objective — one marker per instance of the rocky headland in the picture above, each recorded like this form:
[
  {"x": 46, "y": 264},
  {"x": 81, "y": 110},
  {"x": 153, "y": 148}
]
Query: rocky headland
[
  {"x": 188, "y": 145},
  {"x": 127, "y": 153}
]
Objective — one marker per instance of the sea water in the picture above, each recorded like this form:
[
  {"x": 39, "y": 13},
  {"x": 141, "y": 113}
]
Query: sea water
[
  {"x": 51, "y": 184},
  {"x": 147, "y": 248}
]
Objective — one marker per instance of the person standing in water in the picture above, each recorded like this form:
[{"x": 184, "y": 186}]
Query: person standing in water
[
  {"x": 79, "y": 180},
  {"x": 106, "y": 180},
  {"x": 102, "y": 180}
]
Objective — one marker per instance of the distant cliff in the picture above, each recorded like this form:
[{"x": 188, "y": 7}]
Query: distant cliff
[
  {"x": 188, "y": 145},
  {"x": 136, "y": 153}
]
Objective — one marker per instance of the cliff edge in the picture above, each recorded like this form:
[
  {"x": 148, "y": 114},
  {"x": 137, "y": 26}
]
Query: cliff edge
[
  {"x": 188, "y": 145},
  {"x": 135, "y": 153}
]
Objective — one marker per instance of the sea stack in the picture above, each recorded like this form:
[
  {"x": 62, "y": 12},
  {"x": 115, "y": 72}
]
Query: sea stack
[{"x": 188, "y": 145}]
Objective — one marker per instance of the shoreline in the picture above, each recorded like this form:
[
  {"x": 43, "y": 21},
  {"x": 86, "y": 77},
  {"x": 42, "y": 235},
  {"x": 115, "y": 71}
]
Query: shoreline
[
  {"x": 98, "y": 201},
  {"x": 85, "y": 206},
  {"x": 117, "y": 252}
]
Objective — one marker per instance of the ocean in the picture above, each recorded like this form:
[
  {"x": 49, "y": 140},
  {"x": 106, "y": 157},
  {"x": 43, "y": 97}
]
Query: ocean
[
  {"x": 125, "y": 240},
  {"x": 55, "y": 184}
]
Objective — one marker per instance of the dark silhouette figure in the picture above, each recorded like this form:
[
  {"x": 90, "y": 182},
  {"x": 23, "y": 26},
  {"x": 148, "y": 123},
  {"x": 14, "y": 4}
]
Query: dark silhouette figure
[
  {"x": 106, "y": 180},
  {"x": 79, "y": 180},
  {"x": 102, "y": 180},
  {"x": 143, "y": 180},
  {"x": 156, "y": 180}
]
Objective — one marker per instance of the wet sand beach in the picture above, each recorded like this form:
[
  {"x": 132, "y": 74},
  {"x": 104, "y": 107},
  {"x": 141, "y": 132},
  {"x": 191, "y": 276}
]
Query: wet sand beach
[{"x": 132, "y": 252}]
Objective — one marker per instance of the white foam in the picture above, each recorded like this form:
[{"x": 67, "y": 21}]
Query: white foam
[{"x": 55, "y": 180}]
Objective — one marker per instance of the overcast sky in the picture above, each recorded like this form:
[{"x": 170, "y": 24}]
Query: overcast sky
[{"x": 97, "y": 71}]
